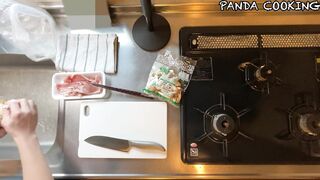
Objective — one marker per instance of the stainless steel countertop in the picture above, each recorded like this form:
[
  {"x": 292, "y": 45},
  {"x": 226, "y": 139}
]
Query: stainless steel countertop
[
  {"x": 134, "y": 67},
  {"x": 133, "y": 70}
]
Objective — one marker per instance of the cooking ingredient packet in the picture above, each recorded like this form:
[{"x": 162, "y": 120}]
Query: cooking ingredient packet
[{"x": 169, "y": 77}]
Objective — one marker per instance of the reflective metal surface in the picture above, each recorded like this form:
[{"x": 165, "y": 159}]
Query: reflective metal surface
[
  {"x": 22, "y": 78},
  {"x": 129, "y": 7},
  {"x": 134, "y": 67}
]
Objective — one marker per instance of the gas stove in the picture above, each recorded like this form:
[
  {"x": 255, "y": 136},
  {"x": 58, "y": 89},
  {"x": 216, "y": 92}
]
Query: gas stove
[{"x": 254, "y": 95}]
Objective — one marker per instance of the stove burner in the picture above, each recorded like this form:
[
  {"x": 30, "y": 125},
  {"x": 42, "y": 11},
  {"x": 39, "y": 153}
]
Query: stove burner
[
  {"x": 264, "y": 73},
  {"x": 303, "y": 123},
  {"x": 310, "y": 124},
  {"x": 260, "y": 74},
  {"x": 221, "y": 124}
]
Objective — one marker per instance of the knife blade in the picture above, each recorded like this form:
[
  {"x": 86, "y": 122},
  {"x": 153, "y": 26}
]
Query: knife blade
[{"x": 122, "y": 144}]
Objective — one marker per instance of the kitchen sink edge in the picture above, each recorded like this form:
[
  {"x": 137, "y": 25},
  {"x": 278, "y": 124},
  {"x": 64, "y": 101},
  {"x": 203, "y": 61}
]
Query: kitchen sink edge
[{"x": 51, "y": 145}]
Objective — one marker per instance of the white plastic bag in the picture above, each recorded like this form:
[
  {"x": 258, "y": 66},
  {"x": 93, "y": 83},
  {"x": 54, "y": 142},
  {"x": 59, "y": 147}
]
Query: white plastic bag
[{"x": 26, "y": 29}]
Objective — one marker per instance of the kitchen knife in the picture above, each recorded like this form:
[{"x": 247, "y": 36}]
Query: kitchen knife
[{"x": 122, "y": 144}]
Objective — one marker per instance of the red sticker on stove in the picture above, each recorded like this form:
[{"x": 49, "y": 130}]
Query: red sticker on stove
[{"x": 193, "y": 145}]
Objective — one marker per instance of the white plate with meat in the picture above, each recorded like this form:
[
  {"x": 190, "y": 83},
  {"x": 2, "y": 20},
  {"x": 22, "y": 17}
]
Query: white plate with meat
[{"x": 77, "y": 85}]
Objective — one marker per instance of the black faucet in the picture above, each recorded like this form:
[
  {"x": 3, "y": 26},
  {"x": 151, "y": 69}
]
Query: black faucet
[{"x": 151, "y": 31}]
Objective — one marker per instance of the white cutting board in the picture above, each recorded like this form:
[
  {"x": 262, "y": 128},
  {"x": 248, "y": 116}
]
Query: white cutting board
[{"x": 143, "y": 121}]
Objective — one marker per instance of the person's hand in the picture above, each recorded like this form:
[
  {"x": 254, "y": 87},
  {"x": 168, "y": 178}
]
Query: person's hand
[
  {"x": 20, "y": 119},
  {"x": 2, "y": 132}
]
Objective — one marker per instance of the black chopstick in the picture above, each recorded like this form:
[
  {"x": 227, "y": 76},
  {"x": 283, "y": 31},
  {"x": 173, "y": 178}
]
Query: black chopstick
[{"x": 125, "y": 91}]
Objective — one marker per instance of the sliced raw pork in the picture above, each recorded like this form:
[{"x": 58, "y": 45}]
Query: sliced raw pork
[{"x": 79, "y": 85}]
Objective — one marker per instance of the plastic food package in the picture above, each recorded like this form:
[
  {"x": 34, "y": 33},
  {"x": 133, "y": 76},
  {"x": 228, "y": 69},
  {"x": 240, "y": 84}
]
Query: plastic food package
[
  {"x": 27, "y": 29},
  {"x": 169, "y": 77}
]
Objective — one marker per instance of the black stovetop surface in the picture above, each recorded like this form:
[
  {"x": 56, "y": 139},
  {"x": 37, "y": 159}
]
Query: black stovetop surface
[{"x": 267, "y": 119}]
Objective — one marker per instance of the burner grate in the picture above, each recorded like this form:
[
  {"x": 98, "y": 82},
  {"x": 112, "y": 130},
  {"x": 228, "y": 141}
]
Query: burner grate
[
  {"x": 260, "y": 74},
  {"x": 303, "y": 124},
  {"x": 222, "y": 124}
]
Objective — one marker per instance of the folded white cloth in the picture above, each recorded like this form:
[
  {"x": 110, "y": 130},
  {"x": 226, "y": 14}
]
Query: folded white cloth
[{"x": 87, "y": 52}]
